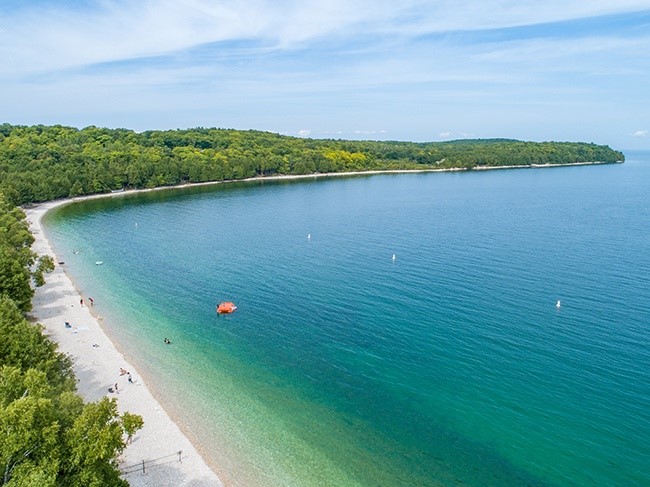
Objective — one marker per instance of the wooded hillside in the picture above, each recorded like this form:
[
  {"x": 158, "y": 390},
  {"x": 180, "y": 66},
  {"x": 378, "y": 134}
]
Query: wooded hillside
[
  {"x": 41, "y": 163},
  {"x": 48, "y": 435}
]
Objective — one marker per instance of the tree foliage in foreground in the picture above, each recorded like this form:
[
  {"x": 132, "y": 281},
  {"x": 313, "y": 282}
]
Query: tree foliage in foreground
[
  {"x": 40, "y": 163},
  {"x": 48, "y": 436},
  {"x": 18, "y": 264}
]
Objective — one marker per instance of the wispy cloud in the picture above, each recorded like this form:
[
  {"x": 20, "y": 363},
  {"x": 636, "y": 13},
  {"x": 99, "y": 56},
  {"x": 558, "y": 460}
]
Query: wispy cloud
[
  {"x": 640, "y": 133},
  {"x": 369, "y": 132},
  {"x": 58, "y": 36},
  {"x": 455, "y": 135},
  {"x": 479, "y": 67}
]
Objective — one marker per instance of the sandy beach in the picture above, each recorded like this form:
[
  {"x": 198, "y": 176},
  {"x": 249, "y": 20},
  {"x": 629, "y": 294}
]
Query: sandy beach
[
  {"x": 169, "y": 457},
  {"x": 97, "y": 361}
]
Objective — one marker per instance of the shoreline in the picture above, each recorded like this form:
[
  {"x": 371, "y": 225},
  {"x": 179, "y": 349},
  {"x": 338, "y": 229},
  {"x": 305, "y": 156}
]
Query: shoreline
[
  {"x": 97, "y": 368},
  {"x": 124, "y": 192},
  {"x": 96, "y": 364}
]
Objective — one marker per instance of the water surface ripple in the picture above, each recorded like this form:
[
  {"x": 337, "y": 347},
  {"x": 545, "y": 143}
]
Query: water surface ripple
[{"x": 448, "y": 365}]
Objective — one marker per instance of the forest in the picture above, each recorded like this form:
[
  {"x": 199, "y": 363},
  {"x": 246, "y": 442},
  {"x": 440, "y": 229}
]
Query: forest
[
  {"x": 41, "y": 163},
  {"x": 48, "y": 435}
]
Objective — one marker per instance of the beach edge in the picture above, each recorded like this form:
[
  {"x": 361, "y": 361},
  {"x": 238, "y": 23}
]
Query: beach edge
[{"x": 160, "y": 453}]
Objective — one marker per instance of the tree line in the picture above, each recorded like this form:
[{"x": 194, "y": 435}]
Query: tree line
[
  {"x": 41, "y": 163},
  {"x": 48, "y": 435}
]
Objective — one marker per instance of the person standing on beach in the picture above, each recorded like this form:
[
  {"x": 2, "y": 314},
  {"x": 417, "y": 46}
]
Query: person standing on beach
[
  {"x": 92, "y": 301},
  {"x": 81, "y": 301},
  {"x": 130, "y": 379}
]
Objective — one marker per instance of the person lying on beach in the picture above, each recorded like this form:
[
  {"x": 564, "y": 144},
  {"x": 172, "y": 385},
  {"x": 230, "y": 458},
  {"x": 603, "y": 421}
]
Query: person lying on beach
[{"x": 123, "y": 371}]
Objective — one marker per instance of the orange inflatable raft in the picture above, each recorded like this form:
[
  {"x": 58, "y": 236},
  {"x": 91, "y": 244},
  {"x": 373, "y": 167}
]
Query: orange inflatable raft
[{"x": 226, "y": 307}]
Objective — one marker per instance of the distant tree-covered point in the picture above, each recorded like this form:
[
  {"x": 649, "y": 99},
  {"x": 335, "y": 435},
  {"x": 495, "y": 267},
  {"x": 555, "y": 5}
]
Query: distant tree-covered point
[{"x": 41, "y": 163}]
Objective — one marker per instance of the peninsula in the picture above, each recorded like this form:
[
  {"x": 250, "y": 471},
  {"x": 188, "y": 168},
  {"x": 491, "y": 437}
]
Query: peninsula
[{"x": 42, "y": 163}]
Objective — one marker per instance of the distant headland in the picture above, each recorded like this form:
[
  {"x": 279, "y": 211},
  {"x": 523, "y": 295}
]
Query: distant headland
[{"x": 42, "y": 163}]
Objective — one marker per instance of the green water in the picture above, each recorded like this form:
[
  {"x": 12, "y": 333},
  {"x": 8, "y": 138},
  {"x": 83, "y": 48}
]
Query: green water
[{"x": 449, "y": 365}]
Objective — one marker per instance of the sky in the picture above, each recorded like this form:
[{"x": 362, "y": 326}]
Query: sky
[{"x": 426, "y": 71}]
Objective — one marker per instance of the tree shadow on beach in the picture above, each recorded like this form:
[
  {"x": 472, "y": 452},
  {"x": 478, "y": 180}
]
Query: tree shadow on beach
[
  {"x": 44, "y": 300},
  {"x": 94, "y": 388}
]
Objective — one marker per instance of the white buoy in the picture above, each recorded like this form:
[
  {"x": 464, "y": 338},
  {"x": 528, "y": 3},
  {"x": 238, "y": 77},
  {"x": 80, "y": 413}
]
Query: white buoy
[
  {"x": 309, "y": 236},
  {"x": 394, "y": 257},
  {"x": 557, "y": 305}
]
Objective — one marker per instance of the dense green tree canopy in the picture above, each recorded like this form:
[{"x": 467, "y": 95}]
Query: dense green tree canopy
[
  {"x": 48, "y": 436},
  {"x": 19, "y": 266},
  {"x": 40, "y": 163}
]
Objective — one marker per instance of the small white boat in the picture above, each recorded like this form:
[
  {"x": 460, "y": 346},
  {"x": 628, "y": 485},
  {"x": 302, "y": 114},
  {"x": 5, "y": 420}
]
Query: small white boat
[
  {"x": 394, "y": 257},
  {"x": 99, "y": 262},
  {"x": 557, "y": 305}
]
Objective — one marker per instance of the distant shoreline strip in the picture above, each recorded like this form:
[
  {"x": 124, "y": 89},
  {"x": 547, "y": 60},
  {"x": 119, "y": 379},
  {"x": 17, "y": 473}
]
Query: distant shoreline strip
[{"x": 124, "y": 192}]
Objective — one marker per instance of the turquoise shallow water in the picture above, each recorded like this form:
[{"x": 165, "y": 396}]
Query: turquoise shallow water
[{"x": 449, "y": 365}]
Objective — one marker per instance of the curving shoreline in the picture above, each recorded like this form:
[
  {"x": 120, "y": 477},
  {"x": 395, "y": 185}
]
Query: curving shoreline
[{"x": 98, "y": 367}]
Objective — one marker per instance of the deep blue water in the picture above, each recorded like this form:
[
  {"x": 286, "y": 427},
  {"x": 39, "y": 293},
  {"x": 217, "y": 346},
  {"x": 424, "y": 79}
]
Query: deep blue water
[{"x": 449, "y": 365}]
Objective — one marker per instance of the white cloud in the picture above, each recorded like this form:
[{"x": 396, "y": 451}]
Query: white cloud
[
  {"x": 455, "y": 135},
  {"x": 640, "y": 133},
  {"x": 451, "y": 15},
  {"x": 58, "y": 37},
  {"x": 55, "y": 37},
  {"x": 274, "y": 64},
  {"x": 537, "y": 50}
]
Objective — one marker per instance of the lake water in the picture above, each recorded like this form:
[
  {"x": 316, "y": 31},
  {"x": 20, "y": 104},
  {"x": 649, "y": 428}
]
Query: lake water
[{"x": 447, "y": 365}]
